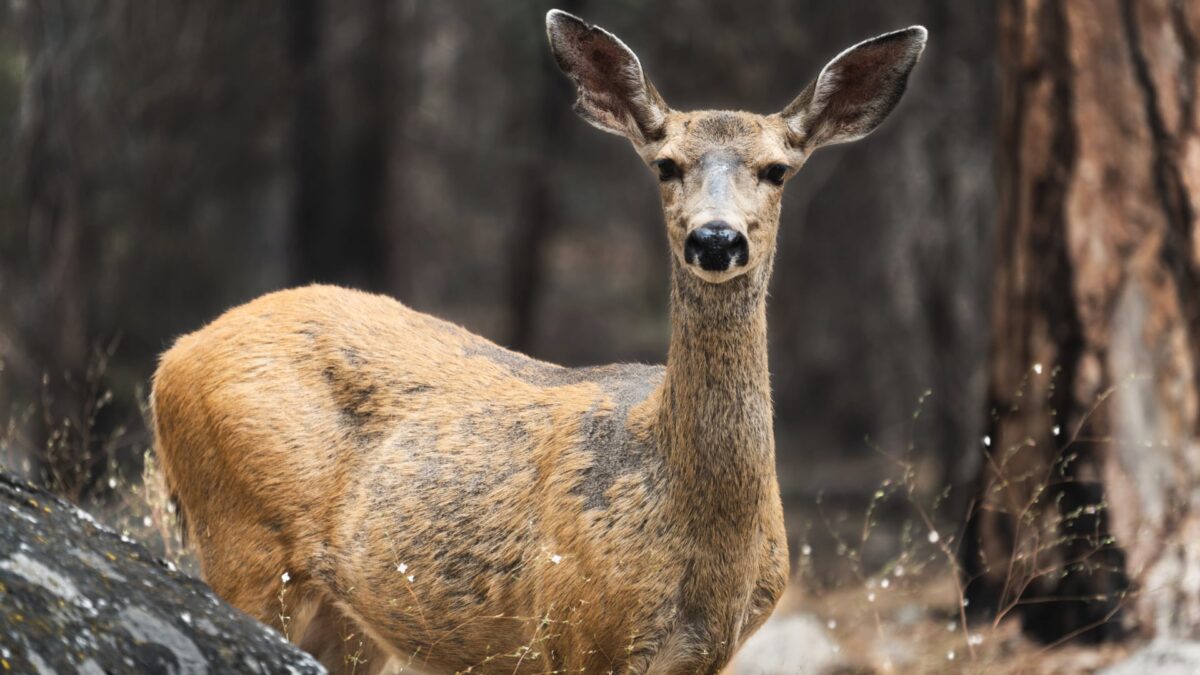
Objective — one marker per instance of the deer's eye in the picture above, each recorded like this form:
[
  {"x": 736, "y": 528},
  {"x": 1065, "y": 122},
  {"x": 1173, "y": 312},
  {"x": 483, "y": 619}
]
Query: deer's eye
[
  {"x": 774, "y": 174},
  {"x": 667, "y": 169}
]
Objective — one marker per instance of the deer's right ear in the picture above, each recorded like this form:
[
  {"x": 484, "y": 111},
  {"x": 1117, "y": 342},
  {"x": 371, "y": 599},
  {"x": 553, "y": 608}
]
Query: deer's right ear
[{"x": 614, "y": 94}]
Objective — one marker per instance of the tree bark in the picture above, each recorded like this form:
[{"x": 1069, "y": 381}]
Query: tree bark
[{"x": 1087, "y": 523}]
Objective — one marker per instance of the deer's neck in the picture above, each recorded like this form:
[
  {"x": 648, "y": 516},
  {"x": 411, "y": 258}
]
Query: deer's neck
[{"x": 715, "y": 418}]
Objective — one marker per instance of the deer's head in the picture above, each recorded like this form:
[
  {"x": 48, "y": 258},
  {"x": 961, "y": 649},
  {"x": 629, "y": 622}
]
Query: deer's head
[{"x": 722, "y": 173}]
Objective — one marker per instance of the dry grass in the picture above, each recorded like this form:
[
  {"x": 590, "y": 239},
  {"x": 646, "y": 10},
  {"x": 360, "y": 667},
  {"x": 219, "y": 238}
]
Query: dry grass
[
  {"x": 108, "y": 469},
  {"x": 912, "y": 627},
  {"x": 903, "y": 612}
]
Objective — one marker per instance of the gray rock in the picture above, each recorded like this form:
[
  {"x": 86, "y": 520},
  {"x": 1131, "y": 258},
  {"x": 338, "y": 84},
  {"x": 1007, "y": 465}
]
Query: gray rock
[
  {"x": 77, "y": 598},
  {"x": 1164, "y": 657},
  {"x": 790, "y": 644}
]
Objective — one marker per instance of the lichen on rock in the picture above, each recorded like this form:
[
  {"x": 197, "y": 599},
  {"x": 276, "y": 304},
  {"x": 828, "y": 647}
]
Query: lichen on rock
[{"x": 76, "y": 597}]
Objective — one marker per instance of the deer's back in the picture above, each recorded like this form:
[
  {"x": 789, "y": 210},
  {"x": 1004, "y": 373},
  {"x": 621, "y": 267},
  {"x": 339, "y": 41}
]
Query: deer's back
[{"x": 370, "y": 442}]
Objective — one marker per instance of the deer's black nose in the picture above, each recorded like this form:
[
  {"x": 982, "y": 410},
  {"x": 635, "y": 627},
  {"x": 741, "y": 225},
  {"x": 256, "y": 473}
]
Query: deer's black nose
[{"x": 716, "y": 247}]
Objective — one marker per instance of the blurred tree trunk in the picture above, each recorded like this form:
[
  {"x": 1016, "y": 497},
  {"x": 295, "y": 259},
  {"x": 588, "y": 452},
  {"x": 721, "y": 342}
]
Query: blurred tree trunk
[
  {"x": 365, "y": 181},
  {"x": 401, "y": 228},
  {"x": 341, "y": 139},
  {"x": 314, "y": 236},
  {"x": 1088, "y": 522},
  {"x": 536, "y": 217}
]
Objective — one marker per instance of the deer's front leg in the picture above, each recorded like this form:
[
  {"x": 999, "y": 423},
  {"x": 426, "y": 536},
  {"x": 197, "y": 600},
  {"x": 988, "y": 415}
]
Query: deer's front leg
[{"x": 684, "y": 652}]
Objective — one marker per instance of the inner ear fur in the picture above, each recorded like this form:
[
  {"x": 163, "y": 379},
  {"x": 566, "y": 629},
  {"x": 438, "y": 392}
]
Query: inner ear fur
[{"x": 614, "y": 93}]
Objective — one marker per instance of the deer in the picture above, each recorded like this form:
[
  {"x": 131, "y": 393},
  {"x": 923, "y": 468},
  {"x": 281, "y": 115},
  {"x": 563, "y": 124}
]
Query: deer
[{"x": 394, "y": 492}]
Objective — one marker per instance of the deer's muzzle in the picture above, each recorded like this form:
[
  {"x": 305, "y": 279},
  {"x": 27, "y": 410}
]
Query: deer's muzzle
[{"x": 716, "y": 247}]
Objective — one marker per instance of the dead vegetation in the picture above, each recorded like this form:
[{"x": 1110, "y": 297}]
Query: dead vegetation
[{"x": 881, "y": 575}]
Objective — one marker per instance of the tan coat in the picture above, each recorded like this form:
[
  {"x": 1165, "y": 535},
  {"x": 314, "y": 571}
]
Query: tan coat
[{"x": 354, "y": 443}]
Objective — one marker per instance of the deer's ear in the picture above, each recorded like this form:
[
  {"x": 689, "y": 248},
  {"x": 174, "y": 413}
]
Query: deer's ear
[
  {"x": 855, "y": 91},
  {"x": 614, "y": 94}
]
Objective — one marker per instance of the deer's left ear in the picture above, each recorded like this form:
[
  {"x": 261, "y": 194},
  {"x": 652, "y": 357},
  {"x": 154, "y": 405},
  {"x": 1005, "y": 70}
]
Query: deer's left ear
[
  {"x": 614, "y": 94},
  {"x": 855, "y": 91}
]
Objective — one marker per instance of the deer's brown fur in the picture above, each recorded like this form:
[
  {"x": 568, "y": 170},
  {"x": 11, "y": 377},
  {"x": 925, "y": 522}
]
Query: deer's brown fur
[{"x": 457, "y": 505}]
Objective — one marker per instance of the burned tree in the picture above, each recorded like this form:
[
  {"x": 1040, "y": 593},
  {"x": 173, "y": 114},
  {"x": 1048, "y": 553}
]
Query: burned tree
[{"x": 1086, "y": 524}]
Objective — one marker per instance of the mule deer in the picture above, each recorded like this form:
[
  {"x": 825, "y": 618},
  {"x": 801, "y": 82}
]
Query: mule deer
[{"x": 346, "y": 465}]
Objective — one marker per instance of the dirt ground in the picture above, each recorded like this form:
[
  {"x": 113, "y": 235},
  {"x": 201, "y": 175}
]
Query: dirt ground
[{"x": 910, "y": 625}]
